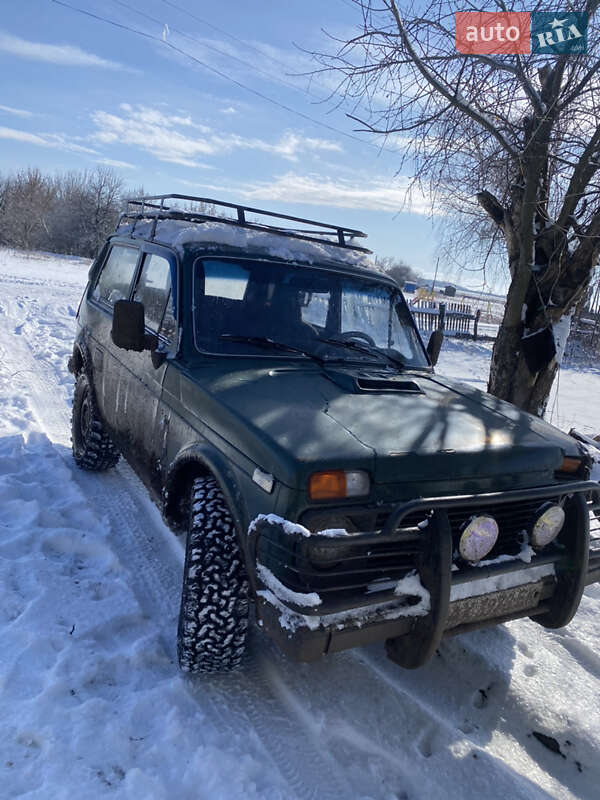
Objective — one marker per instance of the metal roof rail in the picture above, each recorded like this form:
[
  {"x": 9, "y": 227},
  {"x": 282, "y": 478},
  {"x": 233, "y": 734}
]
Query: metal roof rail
[{"x": 155, "y": 208}]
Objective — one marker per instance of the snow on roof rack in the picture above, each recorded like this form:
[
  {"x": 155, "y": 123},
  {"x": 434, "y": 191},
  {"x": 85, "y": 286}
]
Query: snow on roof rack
[{"x": 155, "y": 208}]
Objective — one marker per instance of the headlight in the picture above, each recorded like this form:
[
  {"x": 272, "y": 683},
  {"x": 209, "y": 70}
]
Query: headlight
[
  {"x": 478, "y": 538},
  {"x": 570, "y": 465},
  {"x": 338, "y": 483},
  {"x": 549, "y": 522}
]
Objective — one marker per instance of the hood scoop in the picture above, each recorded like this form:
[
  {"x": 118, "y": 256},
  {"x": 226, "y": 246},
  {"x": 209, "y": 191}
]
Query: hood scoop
[
  {"x": 376, "y": 381},
  {"x": 388, "y": 383}
]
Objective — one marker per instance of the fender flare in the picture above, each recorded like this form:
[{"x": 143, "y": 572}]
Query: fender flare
[
  {"x": 81, "y": 359},
  {"x": 203, "y": 459}
]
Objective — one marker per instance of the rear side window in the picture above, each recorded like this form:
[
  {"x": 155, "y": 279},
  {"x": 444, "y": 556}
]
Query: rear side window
[
  {"x": 117, "y": 274},
  {"x": 154, "y": 291}
]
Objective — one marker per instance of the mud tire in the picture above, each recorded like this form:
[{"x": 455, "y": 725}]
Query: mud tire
[
  {"x": 92, "y": 446},
  {"x": 213, "y": 621}
]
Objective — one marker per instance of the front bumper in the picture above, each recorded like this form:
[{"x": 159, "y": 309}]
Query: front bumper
[{"x": 319, "y": 593}]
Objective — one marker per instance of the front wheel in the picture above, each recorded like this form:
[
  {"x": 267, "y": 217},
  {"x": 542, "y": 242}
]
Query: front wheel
[
  {"x": 92, "y": 447},
  {"x": 213, "y": 621}
]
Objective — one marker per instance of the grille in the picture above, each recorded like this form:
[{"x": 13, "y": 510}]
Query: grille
[
  {"x": 359, "y": 565},
  {"x": 360, "y": 569}
]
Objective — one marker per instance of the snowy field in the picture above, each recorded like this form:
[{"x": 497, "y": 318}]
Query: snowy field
[{"x": 92, "y": 702}]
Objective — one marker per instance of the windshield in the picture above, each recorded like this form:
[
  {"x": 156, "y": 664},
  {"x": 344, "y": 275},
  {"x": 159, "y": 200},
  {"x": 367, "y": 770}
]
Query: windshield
[{"x": 242, "y": 307}]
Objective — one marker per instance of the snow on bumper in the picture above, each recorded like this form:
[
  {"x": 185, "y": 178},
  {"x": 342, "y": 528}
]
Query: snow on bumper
[{"x": 322, "y": 592}]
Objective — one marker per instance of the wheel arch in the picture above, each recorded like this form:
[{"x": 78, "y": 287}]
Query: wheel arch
[
  {"x": 81, "y": 360},
  {"x": 76, "y": 362},
  {"x": 200, "y": 461}
]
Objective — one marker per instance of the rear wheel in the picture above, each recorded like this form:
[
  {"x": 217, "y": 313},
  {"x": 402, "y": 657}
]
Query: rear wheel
[
  {"x": 213, "y": 621},
  {"x": 92, "y": 447}
]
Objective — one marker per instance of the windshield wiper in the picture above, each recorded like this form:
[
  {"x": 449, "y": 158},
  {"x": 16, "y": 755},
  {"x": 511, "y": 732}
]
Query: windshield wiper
[
  {"x": 264, "y": 341},
  {"x": 369, "y": 349}
]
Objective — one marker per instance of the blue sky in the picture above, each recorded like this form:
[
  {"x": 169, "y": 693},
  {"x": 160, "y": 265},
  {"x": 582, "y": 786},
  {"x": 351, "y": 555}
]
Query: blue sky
[{"x": 77, "y": 92}]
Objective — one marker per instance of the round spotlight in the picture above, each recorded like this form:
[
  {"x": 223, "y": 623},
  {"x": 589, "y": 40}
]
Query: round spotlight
[
  {"x": 549, "y": 522},
  {"x": 478, "y": 538}
]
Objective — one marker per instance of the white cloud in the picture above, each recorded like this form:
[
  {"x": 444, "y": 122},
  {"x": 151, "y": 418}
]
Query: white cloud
[
  {"x": 111, "y": 162},
  {"x": 289, "y": 146},
  {"x": 374, "y": 194},
  {"x": 152, "y": 131},
  {"x": 55, "y": 140},
  {"x": 18, "y": 112},
  {"x": 172, "y": 138},
  {"x": 153, "y": 117},
  {"x": 64, "y": 54},
  {"x": 228, "y": 110}
]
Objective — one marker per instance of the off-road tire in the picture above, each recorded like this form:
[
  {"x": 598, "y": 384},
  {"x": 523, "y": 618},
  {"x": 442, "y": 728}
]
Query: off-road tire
[
  {"x": 92, "y": 447},
  {"x": 213, "y": 621}
]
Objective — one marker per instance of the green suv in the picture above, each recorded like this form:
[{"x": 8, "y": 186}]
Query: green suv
[{"x": 272, "y": 391}]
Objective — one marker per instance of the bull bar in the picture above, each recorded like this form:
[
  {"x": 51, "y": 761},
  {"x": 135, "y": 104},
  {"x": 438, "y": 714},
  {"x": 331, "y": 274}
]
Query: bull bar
[{"x": 350, "y": 613}]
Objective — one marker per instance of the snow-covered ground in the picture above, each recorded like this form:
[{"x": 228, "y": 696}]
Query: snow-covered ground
[{"x": 92, "y": 704}]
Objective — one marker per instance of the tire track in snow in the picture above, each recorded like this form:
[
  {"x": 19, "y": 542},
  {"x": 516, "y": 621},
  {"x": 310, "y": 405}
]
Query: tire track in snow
[
  {"x": 20, "y": 281},
  {"x": 153, "y": 557}
]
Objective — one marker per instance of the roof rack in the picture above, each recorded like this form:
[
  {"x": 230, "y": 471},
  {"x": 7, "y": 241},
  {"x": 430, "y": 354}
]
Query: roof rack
[{"x": 156, "y": 208}]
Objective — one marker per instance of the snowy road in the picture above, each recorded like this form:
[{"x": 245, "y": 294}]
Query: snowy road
[{"x": 92, "y": 702}]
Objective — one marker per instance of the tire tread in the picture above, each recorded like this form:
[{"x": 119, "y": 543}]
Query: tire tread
[
  {"x": 213, "y": 620},
  {"x": 97, "y": 452}
]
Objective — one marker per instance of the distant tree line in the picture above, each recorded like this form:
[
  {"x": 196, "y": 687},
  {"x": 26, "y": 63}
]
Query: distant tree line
[
  {"x": 397, "y": 269},
  {"x": 73, "y": 213},
  {"x": 70, "y": 212}
]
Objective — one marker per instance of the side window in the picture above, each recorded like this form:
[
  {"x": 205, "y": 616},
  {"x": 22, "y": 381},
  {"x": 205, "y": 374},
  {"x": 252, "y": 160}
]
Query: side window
[
  {"x": 314, "y": 307},
  {"x": 116, "y": 275},
  {"x": 154, "y": 291}
]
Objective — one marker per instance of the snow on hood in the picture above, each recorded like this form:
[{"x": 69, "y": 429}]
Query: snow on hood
[{"x": 178, "y": 233}]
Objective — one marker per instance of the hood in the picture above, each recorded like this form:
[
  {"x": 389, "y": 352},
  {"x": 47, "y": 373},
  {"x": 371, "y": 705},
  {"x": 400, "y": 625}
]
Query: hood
[
  {"x": 448, "y": 431},
  {"x": 403, "y": 428}
]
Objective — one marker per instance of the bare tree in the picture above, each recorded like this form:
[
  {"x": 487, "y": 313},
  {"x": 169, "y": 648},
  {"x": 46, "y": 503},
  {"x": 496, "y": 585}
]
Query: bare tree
[
  {"x": 69, "y": 213},
  {"x": 27, "y": 202},
  {"x": 87, "y": 209},
  {"x": 398, "y": 269},
  {"x": 105, "y": 189},
  {"x": 509, "y": 143}
]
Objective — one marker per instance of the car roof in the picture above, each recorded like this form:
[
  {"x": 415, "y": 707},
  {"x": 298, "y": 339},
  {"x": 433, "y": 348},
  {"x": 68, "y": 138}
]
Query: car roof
[{"x": 255, "y": 245}]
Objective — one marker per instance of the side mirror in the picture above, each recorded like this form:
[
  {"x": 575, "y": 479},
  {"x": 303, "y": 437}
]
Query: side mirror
[
  {"x": 434, "y": 345},
  {"x": 128, "y": 330}
]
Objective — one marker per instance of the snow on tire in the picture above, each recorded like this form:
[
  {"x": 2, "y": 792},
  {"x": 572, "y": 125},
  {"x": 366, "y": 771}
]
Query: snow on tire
[
  {"x": 213, "y": 620},
  {"x": 92, "y": 447}
]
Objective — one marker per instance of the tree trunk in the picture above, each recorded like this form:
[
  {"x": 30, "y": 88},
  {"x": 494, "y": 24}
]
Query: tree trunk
[
  {"x": 550, "y": 299},
  {"x": 510, "y": 378}
]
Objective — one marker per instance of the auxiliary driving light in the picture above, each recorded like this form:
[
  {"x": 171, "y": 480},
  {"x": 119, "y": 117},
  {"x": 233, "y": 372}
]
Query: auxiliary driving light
[
  {"x": 478, "y": 538},
  {"x": 549, "y": 522}
]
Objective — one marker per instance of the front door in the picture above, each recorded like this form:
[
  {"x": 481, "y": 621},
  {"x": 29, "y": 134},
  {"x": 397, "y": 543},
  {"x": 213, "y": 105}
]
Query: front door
[
  {"x": 140, "y": 382},
  {"x": 113, "y": 283}
]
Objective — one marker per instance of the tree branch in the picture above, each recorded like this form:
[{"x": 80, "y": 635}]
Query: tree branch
[
  {"x": 492, "y": 205},
  {"x": 574, "y": 94},
  {"x": 582, "y": 174},
  {"x": 445, "y": 91}
]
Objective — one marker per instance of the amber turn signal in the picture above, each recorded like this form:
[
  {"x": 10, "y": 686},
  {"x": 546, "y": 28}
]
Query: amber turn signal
[
  {"x": 338, "y": 483},
  {"x": 570, "y": 464}
]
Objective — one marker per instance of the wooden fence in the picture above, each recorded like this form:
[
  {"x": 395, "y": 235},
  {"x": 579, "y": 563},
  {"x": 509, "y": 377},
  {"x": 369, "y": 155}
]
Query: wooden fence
[{"x": 457, "y": 318}]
